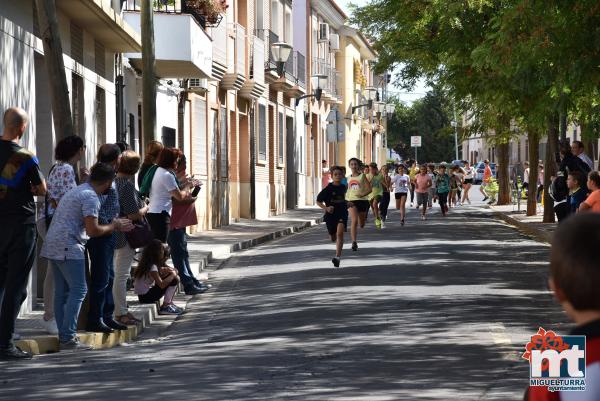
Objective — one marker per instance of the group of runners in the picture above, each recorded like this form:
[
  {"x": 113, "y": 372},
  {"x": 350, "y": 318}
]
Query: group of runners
[{"x": 369, "y": 188}]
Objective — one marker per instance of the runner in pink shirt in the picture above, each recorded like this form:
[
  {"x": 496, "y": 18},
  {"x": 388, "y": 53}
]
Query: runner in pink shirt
[{"x": 422, "y": 184}]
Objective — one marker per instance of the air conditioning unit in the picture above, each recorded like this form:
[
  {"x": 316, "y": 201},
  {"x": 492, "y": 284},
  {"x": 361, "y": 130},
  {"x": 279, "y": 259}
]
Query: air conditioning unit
[
  {"x": 334, "y": 42},
  {"x": 323, "y": 32},
  {"x": 198, "y": 85}
]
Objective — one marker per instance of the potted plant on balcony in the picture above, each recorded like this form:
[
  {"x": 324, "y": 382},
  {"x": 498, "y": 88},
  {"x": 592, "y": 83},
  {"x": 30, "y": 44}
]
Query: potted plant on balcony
[{"x": 212, "y": 10}]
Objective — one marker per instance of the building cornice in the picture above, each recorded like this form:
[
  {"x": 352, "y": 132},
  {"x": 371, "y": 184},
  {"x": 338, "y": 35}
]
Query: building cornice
[{"x": 330, "y": 11}]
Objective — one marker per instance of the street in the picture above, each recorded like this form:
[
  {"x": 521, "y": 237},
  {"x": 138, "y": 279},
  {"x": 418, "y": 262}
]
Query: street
[{"x": 434, "y": 310}]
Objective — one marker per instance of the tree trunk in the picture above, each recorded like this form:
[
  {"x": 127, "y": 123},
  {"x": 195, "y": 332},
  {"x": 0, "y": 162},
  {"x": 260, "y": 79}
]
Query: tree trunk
[
  {"x": 55, "y": 66},
  {"x": 563, "y": 124},
  {"x": 550, "y": 167},
  {"x": 503, "y": 174},
  {"x": 534, "y": 155},
  {"x": 148, "y": 73}
]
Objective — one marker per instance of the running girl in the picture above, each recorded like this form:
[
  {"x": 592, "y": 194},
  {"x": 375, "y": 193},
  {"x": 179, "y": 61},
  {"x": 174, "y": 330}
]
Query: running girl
[
  {"x": 412, "y": 173},
  {"x": 332, "y": 199},
  {"x": 401, "y": 182},
  {"x": 357, "y": 196},
  {"x": 422, "y": 185},
  {"x": 375, "y": 178},
  {"x": 468, "y": 183},
  {"x": 432, "y": 193},
  {"x": 386, "y": 184},
  {"x": 153, "y": 279},
  {"x": 443, "y": 188},
  {"x": 453, "y": 186}
]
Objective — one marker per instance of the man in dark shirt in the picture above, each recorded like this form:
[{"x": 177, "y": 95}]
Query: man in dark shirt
[{"x": 20, "y": 180}]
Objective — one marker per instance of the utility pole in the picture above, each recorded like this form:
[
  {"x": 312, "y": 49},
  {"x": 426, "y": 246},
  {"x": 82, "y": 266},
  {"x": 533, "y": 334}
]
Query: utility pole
[
  {"x": 148, "y": 73},
  {"x": 55, "y": 66},
  {"x": 455, "y": 125}
]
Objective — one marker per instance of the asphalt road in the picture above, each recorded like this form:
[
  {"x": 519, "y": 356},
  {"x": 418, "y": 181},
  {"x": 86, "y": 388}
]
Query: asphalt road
[{"x": 434, "y": 310}]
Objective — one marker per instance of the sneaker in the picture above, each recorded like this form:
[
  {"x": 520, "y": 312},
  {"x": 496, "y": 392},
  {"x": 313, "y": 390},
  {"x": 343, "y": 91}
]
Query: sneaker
[
  {"x": 485, "y": 198},
  {"x": 336, "y": 261},
  {"x": 169, "y": 310},
  {"x": 402, "y": 222},
  {"x": 16, "y": 337},
  {"x": 378, "y": 223},
  {"x": 50, "y": 326},
  {"x": 74, "y": 345},
  {"x": 193, "y": 290},
  {"x": 382, "y": 224},
  {"x": 423, "y": 217},
  {"x": 469, "y": 201},
  {"x": 7, "y": 354},
  {"x": 354, "y": 246},
  {"x": 459, "y": 204}
]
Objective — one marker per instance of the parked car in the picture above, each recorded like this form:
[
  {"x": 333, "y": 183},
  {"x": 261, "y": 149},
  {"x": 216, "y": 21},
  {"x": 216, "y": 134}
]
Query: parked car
[
  {"x": 479, "y": 168},
  {"x": 459, "y": 163}
]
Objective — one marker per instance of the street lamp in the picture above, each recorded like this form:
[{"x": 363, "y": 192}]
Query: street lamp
[
  {"x": 280, "y": 53},
  {"x": 455, "y": 125},
  {"x": 317, "y": 81},
  {"x": 390, "y": 108},
  {"x": 371, "y": 95}
]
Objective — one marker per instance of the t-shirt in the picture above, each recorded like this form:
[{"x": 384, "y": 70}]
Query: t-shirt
[
  {"x": 334, "y": 195},
  {"x": 60, "y": 181},
  {"x": 66, "y": 235},
  {"x": 587, "y": 160},
  {"x": 443, "y": 183},
  {"x": 130, "y": 202},
  {"x": 593, "y": 201},
  {"x": 325, "y": 177},
  {"x": 576, "y": 199},
  {"x": 487, "y": 174},
  {"x": 19, "y": 170},
  {"x": 376, "y": 185},
  {"x": 526, "y": 176},
  {"x": 432, "y": 176},
  {"x": 423, "y": 182},
  {"x": 160, "y": 193},
  {"x": 469, "y": 173},
  {"x": 142, "y": 173},
  {"x": 401, "y": 183},
  {"x": 412, "y": 172},
  {"x": 141, "y": 285},
  {"x": 356, "y": 186}
]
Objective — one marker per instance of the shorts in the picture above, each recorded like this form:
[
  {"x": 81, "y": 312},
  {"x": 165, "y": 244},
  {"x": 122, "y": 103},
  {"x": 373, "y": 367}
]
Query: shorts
[
  {"x": 422, "y": 198},
  {"x": 400, "y": 195},
  {"x": 376, "y": 197},
  {"x": 333, "y": 219},
  {"x": 362, "y": 206},
  {"x": 468, "y": 181}
]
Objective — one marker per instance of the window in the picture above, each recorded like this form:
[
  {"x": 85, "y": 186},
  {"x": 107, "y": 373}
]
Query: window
[
  {"x": 76, "y": 43},
  {"x": 223, "y": 154},
  {"x": 100, "y": 59},
  {"x": 281, "y": 141},
  {"x": 199, "y": 137},
  {"x": 262, "y": 132},
  {"x": 77, "y": 105},
  {"x": 168, "y": 136},
  {"x": 100, "y": 115}
]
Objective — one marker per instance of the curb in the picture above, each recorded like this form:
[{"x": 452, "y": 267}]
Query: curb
[
  {"x": 47, "y": 344},
  {"x": 527, "y": 229}
]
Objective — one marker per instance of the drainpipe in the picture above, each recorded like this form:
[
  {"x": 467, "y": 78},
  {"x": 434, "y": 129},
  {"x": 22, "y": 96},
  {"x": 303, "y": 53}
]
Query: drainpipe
[{"x": 252, "y": 162}]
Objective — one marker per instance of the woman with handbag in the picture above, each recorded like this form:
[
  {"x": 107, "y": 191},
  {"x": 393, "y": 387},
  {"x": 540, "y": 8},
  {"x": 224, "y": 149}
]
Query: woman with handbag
[
  {"x": 134, "y": 209},
  {"x": 61, "y": 179}
]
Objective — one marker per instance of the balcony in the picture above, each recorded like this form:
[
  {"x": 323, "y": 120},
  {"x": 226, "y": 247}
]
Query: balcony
[
  {"x": 235, "y": 76},
  {"x": 269, "y": 37},
  {"x": 331, "y": 94},
  {"x": 220, "y": 38},
  {"x": 102, "y": 22},
  {"x": 182, "y": 47},
  {"x": 255, "y": 85}
]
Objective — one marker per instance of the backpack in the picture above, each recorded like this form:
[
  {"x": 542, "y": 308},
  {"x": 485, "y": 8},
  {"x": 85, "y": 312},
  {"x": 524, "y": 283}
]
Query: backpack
[{"x": 558, "y": 189}]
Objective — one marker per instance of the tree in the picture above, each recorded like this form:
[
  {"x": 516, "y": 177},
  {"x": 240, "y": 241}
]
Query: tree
[{"x": 55, "y": 66}]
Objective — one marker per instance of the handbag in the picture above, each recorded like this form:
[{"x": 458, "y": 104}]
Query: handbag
[{"x": 141, "y": 235}]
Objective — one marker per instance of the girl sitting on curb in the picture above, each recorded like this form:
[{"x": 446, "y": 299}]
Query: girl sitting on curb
[{"x": 153, "y": 279}]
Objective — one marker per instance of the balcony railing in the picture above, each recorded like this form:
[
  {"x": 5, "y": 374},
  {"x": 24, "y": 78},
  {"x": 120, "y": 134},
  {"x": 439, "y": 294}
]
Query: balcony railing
[
  {"x": 257, "y": 59},
  {"x": 301, "y": 69},
  {"x": 178, "y": 7}
]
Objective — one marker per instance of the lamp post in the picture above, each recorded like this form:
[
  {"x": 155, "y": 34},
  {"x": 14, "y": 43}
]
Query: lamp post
[
  {"x": 455, "y": 125},
  {"x": 317, "y": 81},
  {"x": 371, "y": 95},
  {"x": 280, "y": 52}
]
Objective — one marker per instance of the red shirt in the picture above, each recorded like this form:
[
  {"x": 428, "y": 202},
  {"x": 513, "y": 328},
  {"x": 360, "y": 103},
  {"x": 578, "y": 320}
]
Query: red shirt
[{"x": 487, "y": 174}]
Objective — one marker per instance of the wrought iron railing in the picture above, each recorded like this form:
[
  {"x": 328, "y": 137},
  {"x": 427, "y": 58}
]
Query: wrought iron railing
[{"x": 175, "y": 7}]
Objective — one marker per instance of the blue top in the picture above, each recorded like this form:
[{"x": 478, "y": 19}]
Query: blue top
[
  {"x": 576, "y": 198},
  {"x": 109, "y": 205},
  {"x": 66, "y": 236}
]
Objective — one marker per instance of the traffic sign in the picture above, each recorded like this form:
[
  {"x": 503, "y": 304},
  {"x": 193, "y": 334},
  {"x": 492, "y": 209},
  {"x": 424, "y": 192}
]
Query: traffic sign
[{"x": 415, "y": 141}]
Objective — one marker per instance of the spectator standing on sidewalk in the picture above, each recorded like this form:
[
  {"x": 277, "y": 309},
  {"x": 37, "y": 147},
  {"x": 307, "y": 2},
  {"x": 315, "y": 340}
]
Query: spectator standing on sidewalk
[
  {"x": 153, "y": 149},
  {"x": 182, "y": 216},
  {"x": 576, "y": 183},
  {"x": 101, "y": 250},
  {"x": 76, "y": 220},
  {"x": 20, "y": 180},
  {"x": 61, "y": 179},
  {"x": 526, "y": 178},
  {"x": 578, "y": 150},
  {"x": 163, "y": 189},
  {"x": 133, "y": 208},
  {"x": 592, "y": 203}
]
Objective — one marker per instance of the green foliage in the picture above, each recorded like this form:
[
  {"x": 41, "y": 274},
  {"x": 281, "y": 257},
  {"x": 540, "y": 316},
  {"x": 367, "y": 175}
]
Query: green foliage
[{"x": 428, "y": 117}]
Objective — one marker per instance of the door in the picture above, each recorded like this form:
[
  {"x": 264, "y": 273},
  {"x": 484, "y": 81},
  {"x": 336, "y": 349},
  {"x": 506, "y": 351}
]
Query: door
[
  {"x": 223, "y": 170},
  {"x": 292, "y": 162}
]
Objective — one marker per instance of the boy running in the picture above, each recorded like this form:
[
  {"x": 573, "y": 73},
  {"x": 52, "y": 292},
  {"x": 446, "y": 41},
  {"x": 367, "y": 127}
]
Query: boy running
[
  {"x": 332, "y": 199},
  {"x": 432, "y": 191},
  {"x": 422, "y": 185},
  {"x": 401, "y": 182},
  {"x": 357, "y": 196},
  {"x": 376, "y": 179},
  {"x": 443, "y": 188},
  {"x": 385, "y": 199}
]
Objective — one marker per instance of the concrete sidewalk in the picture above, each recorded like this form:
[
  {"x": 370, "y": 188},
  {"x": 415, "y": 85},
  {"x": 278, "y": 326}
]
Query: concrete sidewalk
[
  {"x": 207, "y": 250},
  {"x": 530, "y": 225}
]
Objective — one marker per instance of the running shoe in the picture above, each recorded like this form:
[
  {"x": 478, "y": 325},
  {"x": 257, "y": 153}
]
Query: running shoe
[
  {"x": 412, "y": 204},
  {"x": 378, "y": 223},
  {"x": 336, "y": 261},
  {"x": 354, "y": 246},
  {"x": 382, "y": 224},
  {"x": 484, "y": 199},
  {"x": 423, "y": 217},
  {"x": 402, "y": 222},
  {"x": 169, "y": 310}
]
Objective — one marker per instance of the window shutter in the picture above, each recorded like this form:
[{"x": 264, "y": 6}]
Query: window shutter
[{"x": 262, "y": 132}]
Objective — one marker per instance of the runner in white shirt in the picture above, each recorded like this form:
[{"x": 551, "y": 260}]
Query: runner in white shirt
[
  {"x": 468, "y": 182},
  {"x": 401, "y": 183}
]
